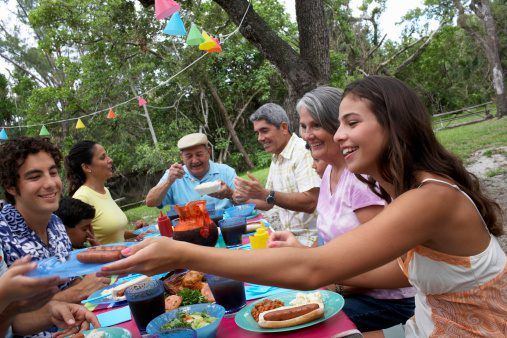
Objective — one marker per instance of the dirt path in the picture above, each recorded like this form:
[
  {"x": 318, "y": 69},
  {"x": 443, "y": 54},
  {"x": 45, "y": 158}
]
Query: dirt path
[{"x": 484, "y": 162}]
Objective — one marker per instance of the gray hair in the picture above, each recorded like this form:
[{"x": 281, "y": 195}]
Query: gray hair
[
  {"x": 322, "y": 103},
  {"x": 272, "y": 114}
]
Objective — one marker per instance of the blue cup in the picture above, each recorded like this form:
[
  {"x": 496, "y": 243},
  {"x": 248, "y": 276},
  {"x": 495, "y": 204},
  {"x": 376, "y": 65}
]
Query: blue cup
[
  {"x": 232, "y": 229},
  {"x": 146, "y": 301},
  {"x": 227, "y": 292}
]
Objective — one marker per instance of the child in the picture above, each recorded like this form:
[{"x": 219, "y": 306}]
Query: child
[{"x": 77, "y": 217}]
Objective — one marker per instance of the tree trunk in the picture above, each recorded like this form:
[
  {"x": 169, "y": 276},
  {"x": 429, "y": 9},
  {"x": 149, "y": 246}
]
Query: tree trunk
[
  {"x": 301, "y": 72},
  {"x": 228, "y": 123},
  {"x": 488, "y": 41}
]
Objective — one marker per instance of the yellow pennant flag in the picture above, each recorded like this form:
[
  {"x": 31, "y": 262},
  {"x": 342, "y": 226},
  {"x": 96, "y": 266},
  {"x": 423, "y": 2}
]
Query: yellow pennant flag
[{"x": 80, "y": 124}]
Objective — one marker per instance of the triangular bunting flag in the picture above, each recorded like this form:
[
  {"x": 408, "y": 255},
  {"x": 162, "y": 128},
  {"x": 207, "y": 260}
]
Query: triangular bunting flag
[
  {"x": 111, "y": 114},
  {"x": 208, "y": 42},
  {"x": 175, "y": 26},
  {"x": 43, "y": 131},
  {"x": 216, "y": 48},
  {"x": 165, "y": 8},
  {"x": 3, "y": 135},
  {"x": 141, "y": 101},
  {"x": 80, "y": 124},
  {"x": 194, "y": 36}
]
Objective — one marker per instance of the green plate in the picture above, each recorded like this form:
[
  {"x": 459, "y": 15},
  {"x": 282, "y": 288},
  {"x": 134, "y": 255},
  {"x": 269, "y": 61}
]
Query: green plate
[
  {"x": 110, "y": 332},
  {"x": 333, "y": 303}
]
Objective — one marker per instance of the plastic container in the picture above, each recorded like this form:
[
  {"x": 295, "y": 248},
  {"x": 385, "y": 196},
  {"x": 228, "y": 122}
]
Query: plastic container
[
  {"x": 259, "y": 240},
  {"x": 208, "y": 331},
  {"x": 243, "y": 210},
  {"x": 146, "y": 301},
  {"x": 164, "y": 225}
]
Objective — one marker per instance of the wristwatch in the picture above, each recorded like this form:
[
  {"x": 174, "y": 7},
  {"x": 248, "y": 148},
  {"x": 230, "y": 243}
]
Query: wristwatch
[{"x": 271, "y": 197}]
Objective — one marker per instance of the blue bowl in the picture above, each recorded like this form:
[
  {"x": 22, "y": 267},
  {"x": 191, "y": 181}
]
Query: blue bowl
[
  {"x": 243, "y": 210},
  {"x": 208, "y": 331}
]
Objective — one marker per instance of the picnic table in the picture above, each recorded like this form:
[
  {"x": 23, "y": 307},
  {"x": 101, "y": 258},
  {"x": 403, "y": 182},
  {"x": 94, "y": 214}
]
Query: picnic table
[{"x": 228, "y": 328}]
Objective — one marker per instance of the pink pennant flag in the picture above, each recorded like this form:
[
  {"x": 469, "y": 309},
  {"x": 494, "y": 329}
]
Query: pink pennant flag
[
  {"x": 141, "y": 101},
  {"x": 165, "y": 8}
]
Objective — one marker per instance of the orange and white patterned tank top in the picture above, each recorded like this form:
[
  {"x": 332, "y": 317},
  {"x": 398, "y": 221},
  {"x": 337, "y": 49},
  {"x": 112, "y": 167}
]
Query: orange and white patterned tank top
[{"x": 457, "y": 296}]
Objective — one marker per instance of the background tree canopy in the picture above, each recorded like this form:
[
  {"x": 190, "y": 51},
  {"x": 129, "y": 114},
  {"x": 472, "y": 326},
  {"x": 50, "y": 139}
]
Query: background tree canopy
[{"x": 70, "y": 58}]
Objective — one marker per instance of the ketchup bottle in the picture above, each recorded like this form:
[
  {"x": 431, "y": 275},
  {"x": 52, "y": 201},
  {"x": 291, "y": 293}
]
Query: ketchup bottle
[{"x": 164, "y": 225}]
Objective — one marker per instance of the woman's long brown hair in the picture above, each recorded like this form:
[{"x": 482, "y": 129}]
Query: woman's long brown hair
[{"x": 412, "y": 145}]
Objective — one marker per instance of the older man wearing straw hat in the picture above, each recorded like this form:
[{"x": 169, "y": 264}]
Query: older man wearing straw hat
[{"x": 177, "y": 186}]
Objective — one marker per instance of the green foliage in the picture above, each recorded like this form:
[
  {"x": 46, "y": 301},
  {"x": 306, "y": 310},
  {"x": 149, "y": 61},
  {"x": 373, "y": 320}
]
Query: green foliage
[{"x": 6, "y": 104}]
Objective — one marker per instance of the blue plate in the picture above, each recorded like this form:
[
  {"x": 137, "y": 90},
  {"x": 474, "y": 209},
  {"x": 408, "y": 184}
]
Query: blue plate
[
  {"x": 333, "y": 303},
  {"x": 71, "y": 267},
  {"x": 110, "y": 332}
]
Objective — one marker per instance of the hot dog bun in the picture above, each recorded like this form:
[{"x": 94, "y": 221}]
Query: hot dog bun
[{"x": 285, "y": 311}]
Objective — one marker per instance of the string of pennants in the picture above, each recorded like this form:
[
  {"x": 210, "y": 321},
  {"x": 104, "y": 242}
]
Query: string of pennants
[{"x": 174, "y": 26}]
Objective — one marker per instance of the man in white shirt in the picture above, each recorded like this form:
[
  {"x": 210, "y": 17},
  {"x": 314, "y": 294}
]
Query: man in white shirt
[{"x": 292, "y": 186}]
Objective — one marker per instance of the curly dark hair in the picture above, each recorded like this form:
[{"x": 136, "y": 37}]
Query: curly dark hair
[
  {"x": 72, "y": 211},
  {"x": 81, "y": 152},
  {"x": 13, "y": 154}
]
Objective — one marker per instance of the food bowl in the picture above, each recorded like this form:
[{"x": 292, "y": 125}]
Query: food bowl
[
  {"x": 243, "y": 210},
  {"x": 208, "y": 187},
  {"x": 208, "y": 331}
]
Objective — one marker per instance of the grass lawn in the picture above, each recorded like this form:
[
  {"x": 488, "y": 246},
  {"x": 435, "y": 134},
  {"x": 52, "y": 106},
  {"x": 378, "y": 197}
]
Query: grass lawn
[{"x": 462, "y": 141}]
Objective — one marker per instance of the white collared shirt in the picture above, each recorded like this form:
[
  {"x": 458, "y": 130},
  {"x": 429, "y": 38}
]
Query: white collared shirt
[{"x": 291, "y": 171}]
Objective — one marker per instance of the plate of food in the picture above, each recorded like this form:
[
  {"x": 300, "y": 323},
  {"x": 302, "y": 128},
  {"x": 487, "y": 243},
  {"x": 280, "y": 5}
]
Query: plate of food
[
  {"x": 289, "y": 311},
  {"x": 80, "y": 262},
  {"x": 208, "y": 187},
  {"x": 104, "y": 332},
  {"x": 186, "y": 288}
]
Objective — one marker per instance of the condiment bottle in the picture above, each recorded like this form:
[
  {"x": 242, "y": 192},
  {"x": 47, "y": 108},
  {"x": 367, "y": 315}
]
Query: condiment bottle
[
  {"x": 260, "y": 239},
  {"x": 164, "y": 225}
]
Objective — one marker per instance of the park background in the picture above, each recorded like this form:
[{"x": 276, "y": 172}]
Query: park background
[{"x": 68, "y": 61}]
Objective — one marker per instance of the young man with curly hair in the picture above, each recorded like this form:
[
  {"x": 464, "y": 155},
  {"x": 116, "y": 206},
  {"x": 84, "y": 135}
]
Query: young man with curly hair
[{"x": 32, "y": 186}]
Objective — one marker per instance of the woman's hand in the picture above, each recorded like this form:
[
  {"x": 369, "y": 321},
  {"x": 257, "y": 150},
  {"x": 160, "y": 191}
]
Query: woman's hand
[
  {"x": 279, "y": 239},
  {"x": 72, "y": 318},
  {"x": 140, "y": 223},
  {"x": 26, "y": 293},
  {"x": 150, "y": 257}
]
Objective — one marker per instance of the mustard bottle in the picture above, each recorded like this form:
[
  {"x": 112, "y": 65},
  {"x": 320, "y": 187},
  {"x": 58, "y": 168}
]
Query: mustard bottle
[{"x": 260, "y": 239}]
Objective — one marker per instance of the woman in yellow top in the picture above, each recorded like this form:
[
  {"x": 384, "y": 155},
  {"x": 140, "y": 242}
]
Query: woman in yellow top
[{"x": 88, "y": 168}]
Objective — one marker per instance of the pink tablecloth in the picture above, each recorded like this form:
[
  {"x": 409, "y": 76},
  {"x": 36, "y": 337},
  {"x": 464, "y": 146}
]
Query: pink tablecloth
[{"x": 229, "y": 329}]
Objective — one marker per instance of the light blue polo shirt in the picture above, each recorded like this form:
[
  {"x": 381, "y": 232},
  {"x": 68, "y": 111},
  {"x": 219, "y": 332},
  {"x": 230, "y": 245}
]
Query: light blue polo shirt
[{"x": 183, "y": 191}]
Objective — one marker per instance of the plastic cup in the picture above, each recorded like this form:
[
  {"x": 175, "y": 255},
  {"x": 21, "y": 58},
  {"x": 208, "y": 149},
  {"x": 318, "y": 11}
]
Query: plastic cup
[
  {"x": 227, "y": 292},
  {"x": 146, "y": 301},
  {"x": 232, "y": 229}
]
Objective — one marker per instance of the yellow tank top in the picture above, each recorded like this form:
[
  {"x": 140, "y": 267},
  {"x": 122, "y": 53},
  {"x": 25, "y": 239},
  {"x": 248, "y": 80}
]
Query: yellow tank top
[{"x": 110, "y": 221}]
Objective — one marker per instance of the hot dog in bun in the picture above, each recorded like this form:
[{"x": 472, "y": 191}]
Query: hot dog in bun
[
  {"x": 286, "y": 316},
  {"x": 303, "y": 309}
]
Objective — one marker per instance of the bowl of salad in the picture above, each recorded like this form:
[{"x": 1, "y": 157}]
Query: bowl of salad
[{"x": 203, "y": 318}]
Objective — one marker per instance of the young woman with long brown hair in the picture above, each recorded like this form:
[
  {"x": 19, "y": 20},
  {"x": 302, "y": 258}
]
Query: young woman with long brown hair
[{"x": 439, "y": 228}]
